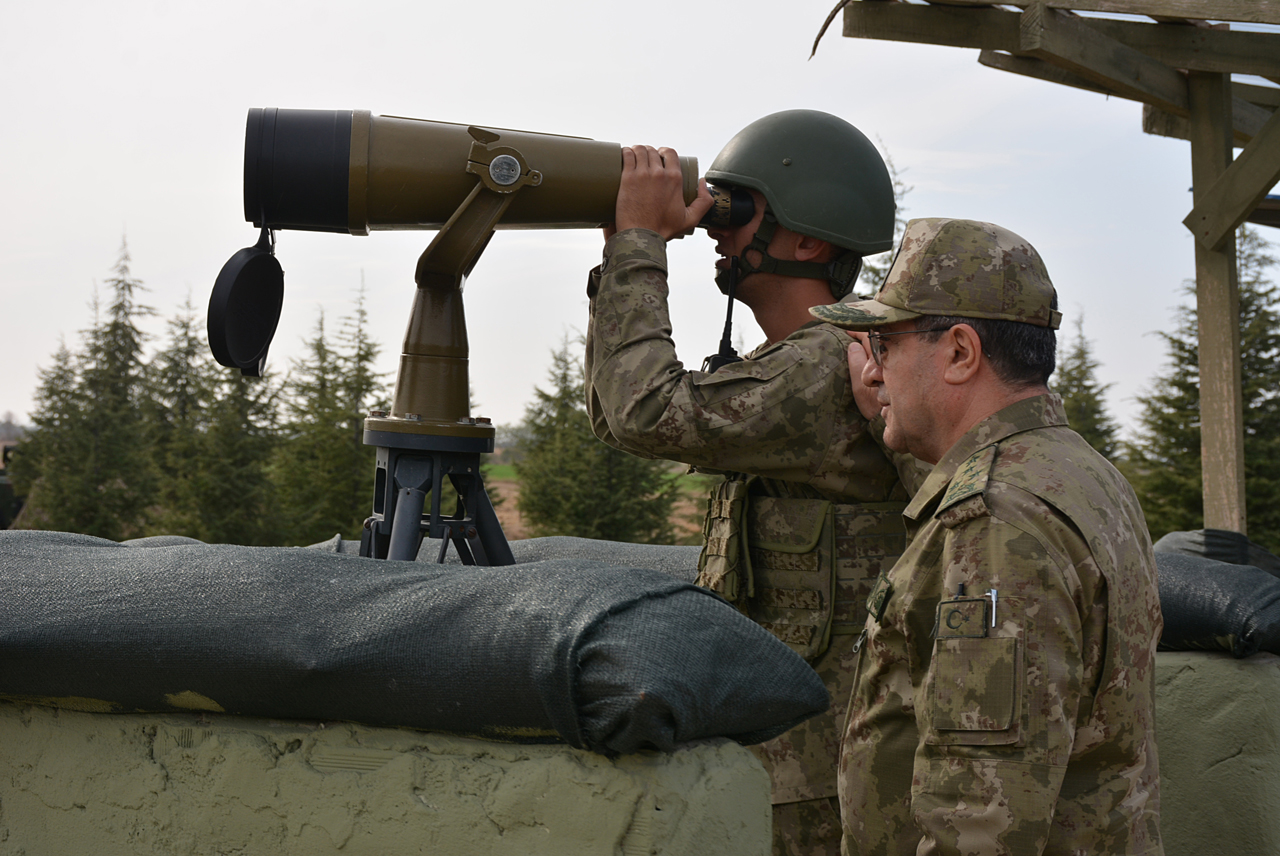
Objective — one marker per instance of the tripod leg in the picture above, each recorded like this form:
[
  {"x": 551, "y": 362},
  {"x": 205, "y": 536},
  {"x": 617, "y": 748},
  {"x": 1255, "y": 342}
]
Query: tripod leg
[
  {"x": 406, "y": 525},
  {"x": 464, "y": 550},
  {"x": 489, "y": 537}
]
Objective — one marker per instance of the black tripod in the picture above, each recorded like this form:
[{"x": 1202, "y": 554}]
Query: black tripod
[{"x": 406, "y": 477}]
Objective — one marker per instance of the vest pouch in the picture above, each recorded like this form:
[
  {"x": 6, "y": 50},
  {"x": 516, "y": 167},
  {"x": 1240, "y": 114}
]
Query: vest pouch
[
  {"x": 723, "y": 565},
  {"x": 869, "y": 539},
  {"x": 792, "y": 554}
]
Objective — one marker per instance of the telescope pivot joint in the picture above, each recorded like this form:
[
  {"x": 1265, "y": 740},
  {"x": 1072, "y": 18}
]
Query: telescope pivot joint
[{"x": 501, "y": 169}]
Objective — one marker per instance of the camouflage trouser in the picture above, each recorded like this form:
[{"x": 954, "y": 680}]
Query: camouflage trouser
[{"x": 808, "y": 828}]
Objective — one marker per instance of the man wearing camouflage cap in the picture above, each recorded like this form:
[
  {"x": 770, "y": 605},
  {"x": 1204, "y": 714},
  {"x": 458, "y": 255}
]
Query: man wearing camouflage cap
[
  {"x": 811, "y": 508},
  {"x": 1005, "y": 695}
]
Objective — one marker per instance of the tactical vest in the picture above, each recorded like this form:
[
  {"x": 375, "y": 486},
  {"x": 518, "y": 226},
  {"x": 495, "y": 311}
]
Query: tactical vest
[{"x": 800, "y": 568}]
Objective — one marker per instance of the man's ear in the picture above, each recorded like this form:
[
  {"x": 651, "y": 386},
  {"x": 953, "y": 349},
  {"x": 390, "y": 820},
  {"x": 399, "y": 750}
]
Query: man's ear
[
  {"x": 809, "y": 248},
  {"x": 963, "y": 351}
]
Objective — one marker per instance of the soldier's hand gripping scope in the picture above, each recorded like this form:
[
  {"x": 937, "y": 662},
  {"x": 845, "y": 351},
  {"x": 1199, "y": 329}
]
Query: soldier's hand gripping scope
[{"x": 350, "y": 171}]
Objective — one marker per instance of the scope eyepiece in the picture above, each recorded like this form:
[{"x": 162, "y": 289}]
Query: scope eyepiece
[{"x": 730, "y": 206}]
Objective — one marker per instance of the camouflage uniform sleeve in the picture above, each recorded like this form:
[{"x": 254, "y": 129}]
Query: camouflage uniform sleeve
[
  {"x": 999, "y": 702},
  {"x": 595, "y": 411},
  {"x": 911, "y": 470},
  {"x": 765, "y": 415}
]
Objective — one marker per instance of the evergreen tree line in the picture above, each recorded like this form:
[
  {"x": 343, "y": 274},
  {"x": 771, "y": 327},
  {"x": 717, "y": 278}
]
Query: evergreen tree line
[
  {"x": 126, "y": 446},
  {"x": 1162, "y": 457}
]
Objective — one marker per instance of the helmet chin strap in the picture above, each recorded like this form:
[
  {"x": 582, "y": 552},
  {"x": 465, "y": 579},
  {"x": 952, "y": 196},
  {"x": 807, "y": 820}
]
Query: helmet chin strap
[{"x": 840, "y": 274}]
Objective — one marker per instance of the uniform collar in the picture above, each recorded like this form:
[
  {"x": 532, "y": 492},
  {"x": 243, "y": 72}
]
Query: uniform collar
[{"x": 1041, "y": 411}]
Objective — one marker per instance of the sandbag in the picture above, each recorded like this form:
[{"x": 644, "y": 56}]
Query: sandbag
[
  {"x": 1217, "y": 606},
  {"x": 1221, "y": 545},
  {"x": 605, "y": 658},
  {"x": 678, "y": 561}
]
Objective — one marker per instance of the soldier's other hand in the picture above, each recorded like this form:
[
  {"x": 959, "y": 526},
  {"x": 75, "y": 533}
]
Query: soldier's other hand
[
  {"x": 651, "y": 194},
  {"x": 865, "y": 396}
]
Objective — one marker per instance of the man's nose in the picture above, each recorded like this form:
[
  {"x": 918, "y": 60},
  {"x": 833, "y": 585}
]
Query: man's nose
[{"x": 872, "y": 373}]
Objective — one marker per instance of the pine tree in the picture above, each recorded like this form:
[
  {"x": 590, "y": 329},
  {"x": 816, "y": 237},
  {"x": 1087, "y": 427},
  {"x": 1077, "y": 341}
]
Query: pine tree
[
  {"x": 306, "y": 470},
  {"x": 1084, "y": 397},
  {"x": 9, "y": 429},
  {"x": 182, "y": 382},
  {"x": 1165, "y": 468},
  {"x": 233, "y": 490},
  {"x": 323, "y": 470},
  {"x": 123, "y": 475},
  {"x": 46, "y": 467},
  {"x": 572, "y": 484},
  {"x": 90, "y": 469},
  {"x": 361, "y": 389}
]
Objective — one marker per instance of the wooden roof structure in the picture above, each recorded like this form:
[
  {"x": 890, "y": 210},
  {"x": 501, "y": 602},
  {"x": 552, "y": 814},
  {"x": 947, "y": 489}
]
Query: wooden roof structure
[{"x": 1176, "y": 57}]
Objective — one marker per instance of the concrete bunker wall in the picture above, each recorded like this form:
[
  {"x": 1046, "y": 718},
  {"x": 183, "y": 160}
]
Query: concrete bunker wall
[
  {"x": 205, "y": 784},
  {"x": 1218, "y": 735},
  {"x": 133, "y": 784}
]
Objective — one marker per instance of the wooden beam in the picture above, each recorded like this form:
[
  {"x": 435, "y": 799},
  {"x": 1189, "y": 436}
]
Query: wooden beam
[
  {"x": 1266, "y": 95},
  {"x": 1193, "y": 48},
  {"x": 956, "y": 27},
  {"x": 1246, "y": 11},
  {"x": 1069, "y": 43},
  {"x": 1238, "y": 190},
  {"x": 1246, "y": 120},
  {"x": 1162, "y": 123},
  {"x": 1197, "y": 48},
  {"x": 962, "y": 27},
  {"x": 1040, "y": 70},
  {"x": 1268, "y": 213},
  {"x": 1218, "y": 315}
]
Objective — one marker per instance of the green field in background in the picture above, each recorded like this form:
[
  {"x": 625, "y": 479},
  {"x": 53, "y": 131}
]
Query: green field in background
[{"x": 500, "y": 472}]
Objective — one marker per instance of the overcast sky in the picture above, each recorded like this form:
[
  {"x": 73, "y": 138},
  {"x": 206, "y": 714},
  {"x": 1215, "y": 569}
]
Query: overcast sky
[{"x": 127, "y": 119}]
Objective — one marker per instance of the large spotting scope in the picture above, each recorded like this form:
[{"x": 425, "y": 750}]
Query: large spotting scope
[{"x": 350, "y": 171}]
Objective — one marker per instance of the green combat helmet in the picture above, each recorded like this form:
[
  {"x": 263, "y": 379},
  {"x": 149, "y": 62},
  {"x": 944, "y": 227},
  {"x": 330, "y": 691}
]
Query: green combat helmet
[{"x": 821, "y": 177}]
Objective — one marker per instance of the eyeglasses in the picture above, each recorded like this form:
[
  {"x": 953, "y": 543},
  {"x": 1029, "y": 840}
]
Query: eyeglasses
[{"x": 877, "y": 347}]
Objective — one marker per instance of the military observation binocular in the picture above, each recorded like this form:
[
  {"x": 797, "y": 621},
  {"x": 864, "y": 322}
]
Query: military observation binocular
[{"x": 350, "y": 171}]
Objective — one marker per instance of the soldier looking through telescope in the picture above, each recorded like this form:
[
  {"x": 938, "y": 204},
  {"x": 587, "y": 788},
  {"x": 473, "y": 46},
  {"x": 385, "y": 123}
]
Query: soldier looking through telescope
[{"x": 810, "y": 509}]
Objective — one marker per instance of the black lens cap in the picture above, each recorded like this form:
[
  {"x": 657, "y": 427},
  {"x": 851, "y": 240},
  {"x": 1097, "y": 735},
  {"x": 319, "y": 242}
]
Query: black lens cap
[{"x": 244, "y": 308}]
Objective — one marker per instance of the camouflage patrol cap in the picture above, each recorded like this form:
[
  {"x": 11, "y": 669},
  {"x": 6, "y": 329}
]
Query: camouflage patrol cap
[{"x": 958, "y": 268}]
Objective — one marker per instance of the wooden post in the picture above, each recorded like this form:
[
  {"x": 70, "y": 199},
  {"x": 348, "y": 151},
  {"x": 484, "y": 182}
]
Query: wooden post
[{"x": 1218, "y": 309}]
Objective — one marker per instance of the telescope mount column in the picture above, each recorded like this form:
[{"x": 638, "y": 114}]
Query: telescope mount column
[{"x": 429, "y": 434}]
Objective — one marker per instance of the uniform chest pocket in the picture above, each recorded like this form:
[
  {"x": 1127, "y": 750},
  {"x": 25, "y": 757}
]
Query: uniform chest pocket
[{"x": 976, "y": 685}]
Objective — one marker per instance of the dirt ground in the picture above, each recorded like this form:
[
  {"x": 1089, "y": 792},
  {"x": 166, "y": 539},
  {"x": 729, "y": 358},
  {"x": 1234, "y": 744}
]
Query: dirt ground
[{"x": 508, "y": 512}]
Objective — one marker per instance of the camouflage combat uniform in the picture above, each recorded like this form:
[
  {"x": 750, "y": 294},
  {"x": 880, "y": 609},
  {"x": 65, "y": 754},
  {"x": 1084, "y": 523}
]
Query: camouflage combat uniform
[
  {"x": 786, "y": 414},
  {"x": 1021, "y": 721}
]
